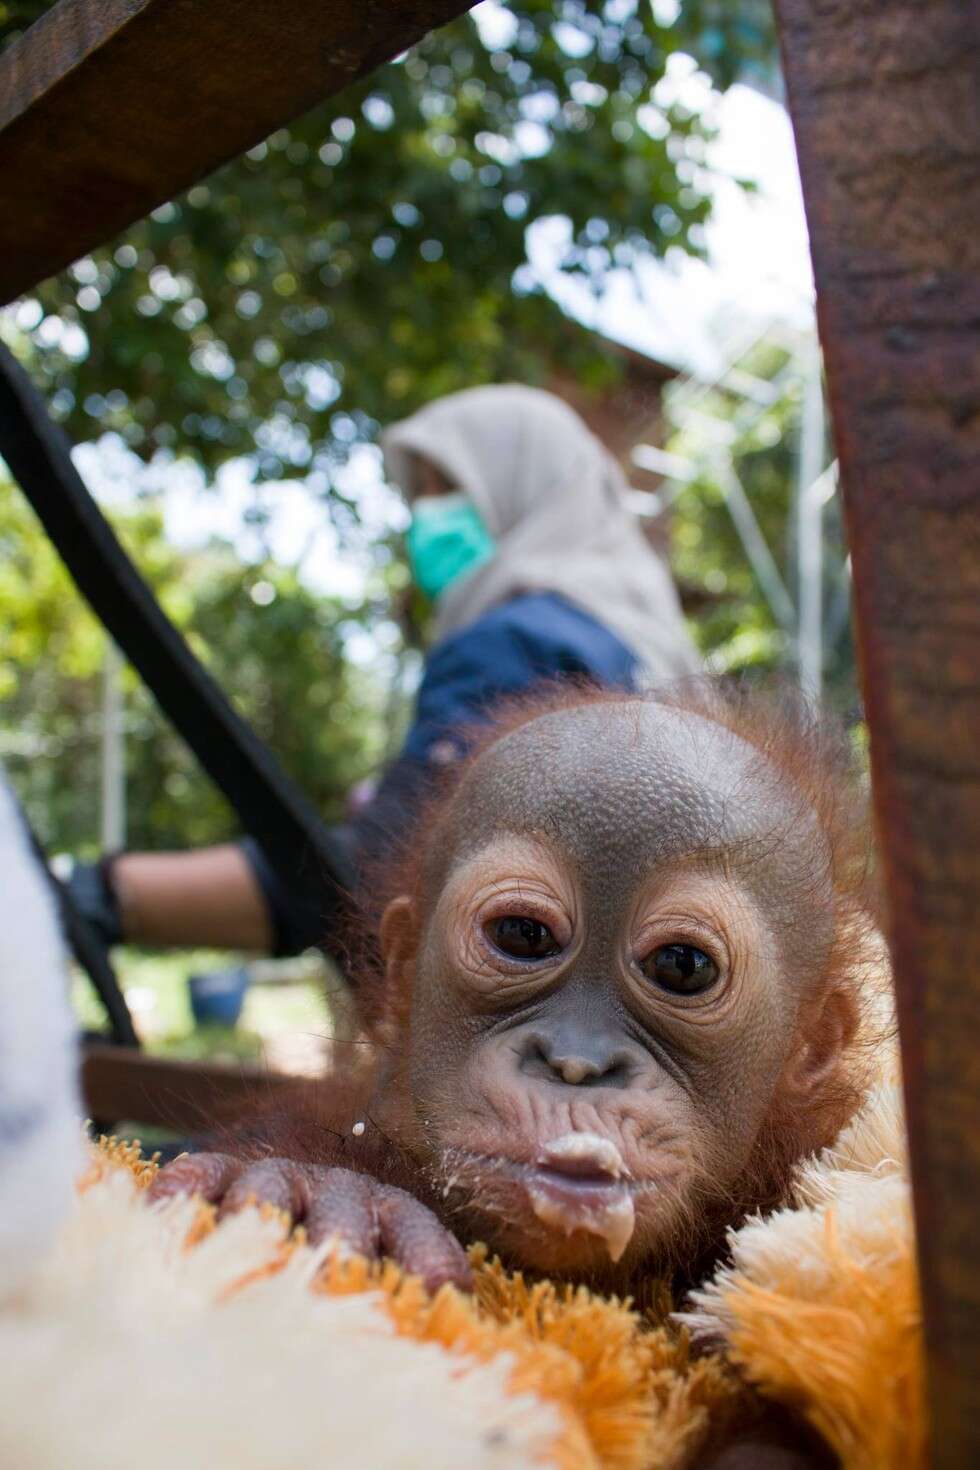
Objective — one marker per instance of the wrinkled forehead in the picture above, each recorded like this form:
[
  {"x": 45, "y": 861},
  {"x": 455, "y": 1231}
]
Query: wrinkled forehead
[{"x": 635, "y": 785}]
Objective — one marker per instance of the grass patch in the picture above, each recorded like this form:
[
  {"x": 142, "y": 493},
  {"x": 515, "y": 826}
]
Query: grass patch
[{"x": 155, "y": 985}]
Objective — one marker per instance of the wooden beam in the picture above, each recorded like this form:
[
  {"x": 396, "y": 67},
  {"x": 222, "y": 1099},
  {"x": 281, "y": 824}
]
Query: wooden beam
[
  {"x": 885, "y": 98},
  {"x": 119, "y": 1084},
  {"x": 110, "y": 107}
]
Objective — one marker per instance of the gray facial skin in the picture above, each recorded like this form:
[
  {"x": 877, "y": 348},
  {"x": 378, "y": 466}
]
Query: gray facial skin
[
  {"x": 624, "y": 788},
  {"x": 622, "y": 828}
]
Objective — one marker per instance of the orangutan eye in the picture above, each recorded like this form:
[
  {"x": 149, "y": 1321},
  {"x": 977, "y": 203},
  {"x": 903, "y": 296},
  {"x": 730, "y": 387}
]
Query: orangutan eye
[
  {"x": 522, "y": 938},
  {"x": 681, "y": 968}
]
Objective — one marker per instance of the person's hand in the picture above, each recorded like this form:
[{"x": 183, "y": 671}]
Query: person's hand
[
  {"x": 373, "y": 1219},
  {"x": 91, "y": 893}
]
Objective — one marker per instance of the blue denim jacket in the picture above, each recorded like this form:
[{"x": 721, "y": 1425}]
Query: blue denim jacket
[{"x": 532, "y": 639}]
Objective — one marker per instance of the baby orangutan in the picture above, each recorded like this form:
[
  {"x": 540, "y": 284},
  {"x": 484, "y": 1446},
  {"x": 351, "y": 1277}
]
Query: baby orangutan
[{"x": 618, "y": 999}]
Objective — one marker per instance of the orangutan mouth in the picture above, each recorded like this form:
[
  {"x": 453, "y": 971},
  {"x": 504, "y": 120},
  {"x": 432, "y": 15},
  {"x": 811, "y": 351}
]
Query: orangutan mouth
[
  {"x": 580, "y": 1182},
  {"x": 576, "y": 1183}
]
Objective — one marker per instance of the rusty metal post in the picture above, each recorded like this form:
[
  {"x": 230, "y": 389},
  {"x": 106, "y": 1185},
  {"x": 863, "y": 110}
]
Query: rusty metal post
[{"x": 885, "y": 98}]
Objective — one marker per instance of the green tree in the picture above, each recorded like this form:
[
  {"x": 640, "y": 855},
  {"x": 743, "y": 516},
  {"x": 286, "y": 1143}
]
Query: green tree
[
  {"x": 372, "y": 255},
  {"x": 362, "y": 260},
  {"x": 275, "y": 647}
]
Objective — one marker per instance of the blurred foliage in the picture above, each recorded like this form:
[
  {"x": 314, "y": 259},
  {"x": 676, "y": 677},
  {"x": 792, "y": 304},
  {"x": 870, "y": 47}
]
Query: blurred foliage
[
  {"x": 371, "y": 256},
  {"x": 276, "y": 648},
  {"x": 359, "y": 262},
  {"x": 735, "y": 625}
]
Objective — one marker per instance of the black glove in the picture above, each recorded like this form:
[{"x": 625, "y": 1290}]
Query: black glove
[
  {"x": 298, "y": 922},
  {"x": 91, "y": 893}
]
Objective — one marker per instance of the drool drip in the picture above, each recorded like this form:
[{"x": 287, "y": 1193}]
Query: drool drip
[{"x": 581, "y": 1184}]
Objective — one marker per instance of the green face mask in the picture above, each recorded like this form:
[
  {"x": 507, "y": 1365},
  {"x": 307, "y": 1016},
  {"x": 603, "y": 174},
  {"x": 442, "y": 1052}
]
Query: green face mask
[{"x": 447, "y": 537}]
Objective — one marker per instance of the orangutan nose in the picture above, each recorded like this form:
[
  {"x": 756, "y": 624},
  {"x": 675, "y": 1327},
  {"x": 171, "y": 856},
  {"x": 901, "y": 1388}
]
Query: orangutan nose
[
  {"x": 589, "y": 1063},
  {"x": 575, "y": 1070}
]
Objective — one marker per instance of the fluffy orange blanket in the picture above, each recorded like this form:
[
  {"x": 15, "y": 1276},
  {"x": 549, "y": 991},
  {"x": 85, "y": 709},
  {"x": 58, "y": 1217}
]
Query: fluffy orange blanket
[{"x": 818, "y": 1311}]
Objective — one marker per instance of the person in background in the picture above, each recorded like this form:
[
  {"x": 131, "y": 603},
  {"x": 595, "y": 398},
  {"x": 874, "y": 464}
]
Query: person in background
[{"x": 522, "y": 539}]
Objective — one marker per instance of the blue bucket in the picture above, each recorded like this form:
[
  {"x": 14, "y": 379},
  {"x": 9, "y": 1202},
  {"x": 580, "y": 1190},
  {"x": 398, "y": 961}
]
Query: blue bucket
[{"x": 217, "y": 998}]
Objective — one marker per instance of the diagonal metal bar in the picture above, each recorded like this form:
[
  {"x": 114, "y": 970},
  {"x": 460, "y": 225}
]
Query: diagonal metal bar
[
  {"x": 810, "y": 498},
  {"x": 839, "y": 612},
  {"x": 754, "y": 544},
  {"x": 87, "y": 948}
]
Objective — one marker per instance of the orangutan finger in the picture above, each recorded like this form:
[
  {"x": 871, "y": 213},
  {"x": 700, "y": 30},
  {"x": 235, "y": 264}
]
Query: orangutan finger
[
  {"x": 205, "y": 1174},
  {"x": 340, "y": 1205},
  {"x": 269, "y": 1181},
  {"x": 413, "y": 1237}
]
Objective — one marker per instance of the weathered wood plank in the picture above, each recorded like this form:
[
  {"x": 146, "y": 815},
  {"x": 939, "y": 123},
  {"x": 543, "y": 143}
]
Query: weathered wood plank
[
  {"x": 885, "y": 97},
  {"x": 190, "y": 1097},
  {"x": 110, "y": 107}
]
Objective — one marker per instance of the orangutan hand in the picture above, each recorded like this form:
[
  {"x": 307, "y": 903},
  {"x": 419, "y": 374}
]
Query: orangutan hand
[{"x": 370, "y": 1218}]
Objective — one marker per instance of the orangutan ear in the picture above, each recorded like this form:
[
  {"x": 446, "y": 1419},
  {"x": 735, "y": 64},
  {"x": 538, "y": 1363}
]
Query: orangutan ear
[
  {"x": 399, "y": 943},
  {"x": 825, "y": 1038}
]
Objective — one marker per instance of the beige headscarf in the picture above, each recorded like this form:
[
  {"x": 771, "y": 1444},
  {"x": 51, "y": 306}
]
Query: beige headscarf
[{"x": 553, "y": 498}]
